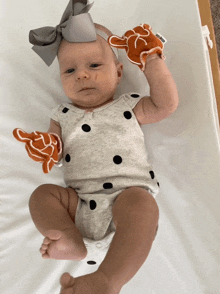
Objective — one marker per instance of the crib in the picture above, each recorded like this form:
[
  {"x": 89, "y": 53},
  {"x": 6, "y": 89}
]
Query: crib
[{"x": 184, "y": 148}]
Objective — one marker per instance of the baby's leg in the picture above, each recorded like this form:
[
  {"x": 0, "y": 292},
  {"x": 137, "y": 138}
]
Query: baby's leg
[
  {"x": 53, "y": 211},
  {"x": 135, "y": 214}
]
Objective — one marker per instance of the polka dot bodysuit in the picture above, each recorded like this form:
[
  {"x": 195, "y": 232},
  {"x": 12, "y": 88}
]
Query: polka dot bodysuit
[{"x": 104, "y": 153}]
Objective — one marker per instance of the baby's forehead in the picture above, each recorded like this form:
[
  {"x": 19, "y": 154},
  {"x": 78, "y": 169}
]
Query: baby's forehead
[{"x": 91, "y": 49}]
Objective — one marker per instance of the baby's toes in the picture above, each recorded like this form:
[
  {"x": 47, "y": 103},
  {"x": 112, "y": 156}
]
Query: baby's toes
[
  {"x": 45, "y": 245},
  {"x": 43, "y": 248},
  {"x": 46, "y": 241},
  {"x": 66, "y": 281}
]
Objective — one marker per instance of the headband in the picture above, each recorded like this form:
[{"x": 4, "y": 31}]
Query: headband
[{"x": 76, "y": 26}]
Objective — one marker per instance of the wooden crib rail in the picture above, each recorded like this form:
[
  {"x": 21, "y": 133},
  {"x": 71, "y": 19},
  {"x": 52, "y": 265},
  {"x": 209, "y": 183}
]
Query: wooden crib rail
[{"x": 206, "y": 19}]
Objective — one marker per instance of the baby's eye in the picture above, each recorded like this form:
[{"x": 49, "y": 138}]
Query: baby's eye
[
  {"x": 70, "y": 70},
  {"x": 93, "y": 65}
]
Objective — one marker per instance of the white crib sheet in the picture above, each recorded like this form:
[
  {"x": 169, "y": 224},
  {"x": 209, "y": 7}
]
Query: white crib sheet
[{"x": 184, "y": 149}]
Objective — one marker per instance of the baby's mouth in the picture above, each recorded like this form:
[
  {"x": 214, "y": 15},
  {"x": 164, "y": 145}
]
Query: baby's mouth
[{"x": 86, "y": 88}]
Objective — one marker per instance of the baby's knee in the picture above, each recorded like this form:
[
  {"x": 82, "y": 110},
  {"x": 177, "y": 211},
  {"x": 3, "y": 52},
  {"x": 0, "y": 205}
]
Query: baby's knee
[
  {"x": 136, "y": 200},
  {"x": 45, "y": 190},
  {"x": 49, "y": 193},
  {"x": 135, "y": 197}
]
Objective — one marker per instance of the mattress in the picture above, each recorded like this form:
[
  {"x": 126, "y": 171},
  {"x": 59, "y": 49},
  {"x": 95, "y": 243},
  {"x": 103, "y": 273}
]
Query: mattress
[{"x": 184, "y": 149}]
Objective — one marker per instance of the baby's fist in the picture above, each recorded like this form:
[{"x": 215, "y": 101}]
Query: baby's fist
[
  {"x": 139, "y": 43},
  {"x": 41, "y": 147}
]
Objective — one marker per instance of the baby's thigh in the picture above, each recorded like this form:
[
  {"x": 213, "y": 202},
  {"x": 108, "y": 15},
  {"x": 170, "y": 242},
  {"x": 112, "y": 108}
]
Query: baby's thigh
[{"x": 67, "y": 197}]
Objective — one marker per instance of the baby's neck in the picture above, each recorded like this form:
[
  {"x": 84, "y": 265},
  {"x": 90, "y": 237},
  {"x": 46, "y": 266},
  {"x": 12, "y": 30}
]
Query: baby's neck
[{"x": 90, "y": 109}]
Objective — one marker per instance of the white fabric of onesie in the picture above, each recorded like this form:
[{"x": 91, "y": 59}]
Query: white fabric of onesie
[{"x": 104, "y": 153}]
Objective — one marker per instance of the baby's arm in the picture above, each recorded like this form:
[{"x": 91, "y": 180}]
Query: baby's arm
[
  {"x": 56, "y": 129},
  {"x": 163, "y": 99},
  {"x": 163, "y": 91},
  {"x": 145, "y": 49}
]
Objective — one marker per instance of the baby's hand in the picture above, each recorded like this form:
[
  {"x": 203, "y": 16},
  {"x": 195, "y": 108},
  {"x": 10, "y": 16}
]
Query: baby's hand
[
  {"x": 139, "y": 43},
  {"x": 41, "y": 147}
]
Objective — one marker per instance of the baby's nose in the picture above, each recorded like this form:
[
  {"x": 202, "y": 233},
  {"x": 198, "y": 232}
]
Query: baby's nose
[{"x": 82, "y": 75}]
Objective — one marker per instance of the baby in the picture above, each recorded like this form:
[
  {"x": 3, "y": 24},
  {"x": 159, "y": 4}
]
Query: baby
[{"x": 110, "y": 187}]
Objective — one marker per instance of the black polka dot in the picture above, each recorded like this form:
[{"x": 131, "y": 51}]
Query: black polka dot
[
  {"x": 135, "y": 95},
  {"x": 127, "y": 115},
  {"x": 86, "y": 128},
  {"x": 107, "y": 186},
  {"x": 91, "y": 262},
  {"x": 158, "y": 184},
  {"x": 117, "y": 159},
  {"x": 92, "y": 204},
  {"x": 152, "y": 174},
  {"x": 67, "y": 158},
  {"x": 65, "y": 110}
]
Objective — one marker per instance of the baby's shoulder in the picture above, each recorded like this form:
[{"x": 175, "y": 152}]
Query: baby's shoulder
[
  {"x": 131, "y": 99},
  {"x": 58, "y": 112},
  {"x": 61, "y": 108}
]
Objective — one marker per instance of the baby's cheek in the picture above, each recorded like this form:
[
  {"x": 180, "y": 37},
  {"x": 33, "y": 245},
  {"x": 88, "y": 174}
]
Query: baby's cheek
[
  {"x": 100, "y": 77},
  {"x": 67, "y": 87}
]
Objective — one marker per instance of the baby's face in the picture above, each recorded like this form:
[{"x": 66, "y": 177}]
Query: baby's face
[{"x": 92, "y": 66}]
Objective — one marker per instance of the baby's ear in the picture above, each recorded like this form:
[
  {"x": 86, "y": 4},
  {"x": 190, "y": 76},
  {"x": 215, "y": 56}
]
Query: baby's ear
[{"x": 117, "y": 42}]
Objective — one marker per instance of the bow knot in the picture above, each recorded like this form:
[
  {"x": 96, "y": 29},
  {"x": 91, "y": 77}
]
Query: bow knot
[
  {"x": 76, "y": 25},
  {"x": 44, "y": 36}
]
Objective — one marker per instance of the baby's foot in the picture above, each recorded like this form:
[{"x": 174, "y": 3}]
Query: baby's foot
[
  {"x": 95, "y": 283},
  {"x": 65, "y": 245}
]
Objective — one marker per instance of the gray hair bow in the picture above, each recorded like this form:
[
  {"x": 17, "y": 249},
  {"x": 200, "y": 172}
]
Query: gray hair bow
[{"x": 76, "y": 25}]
